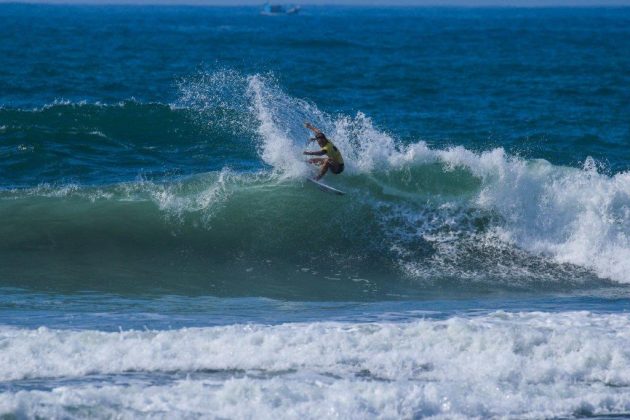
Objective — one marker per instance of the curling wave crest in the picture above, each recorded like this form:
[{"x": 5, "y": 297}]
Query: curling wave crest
[{"x": 573, "y": 215}]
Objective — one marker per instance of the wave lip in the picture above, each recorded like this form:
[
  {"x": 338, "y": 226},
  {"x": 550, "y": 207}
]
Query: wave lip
[{"x": 501, "y": 364}]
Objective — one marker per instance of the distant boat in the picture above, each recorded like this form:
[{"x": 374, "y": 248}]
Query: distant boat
[{"x": 276, "y": 9}]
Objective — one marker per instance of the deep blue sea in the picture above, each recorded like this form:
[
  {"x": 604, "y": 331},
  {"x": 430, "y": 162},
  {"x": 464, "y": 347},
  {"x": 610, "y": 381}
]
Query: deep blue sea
[{"x": 162, "y": 255}]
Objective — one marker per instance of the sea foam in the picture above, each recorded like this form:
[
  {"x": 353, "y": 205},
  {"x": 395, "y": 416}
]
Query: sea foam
[{"x": 501, "y": 364}]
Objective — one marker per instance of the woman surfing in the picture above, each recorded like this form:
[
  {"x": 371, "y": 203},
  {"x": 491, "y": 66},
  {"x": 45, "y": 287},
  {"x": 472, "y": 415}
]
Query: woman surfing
[{"x": 333, "y": 159}]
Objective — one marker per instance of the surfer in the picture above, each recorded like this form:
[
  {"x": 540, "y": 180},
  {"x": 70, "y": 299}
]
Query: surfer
[{"x": 334, "y": 161}]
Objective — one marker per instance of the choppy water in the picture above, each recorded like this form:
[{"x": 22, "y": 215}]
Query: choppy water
[{"x": 161, "y": 254}]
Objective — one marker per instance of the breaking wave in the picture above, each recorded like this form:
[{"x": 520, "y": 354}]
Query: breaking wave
[{"x": 415, "y": 217}]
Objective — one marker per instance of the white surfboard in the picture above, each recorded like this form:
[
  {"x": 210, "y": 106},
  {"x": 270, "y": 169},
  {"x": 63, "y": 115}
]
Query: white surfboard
[{"x": 325, "y": 187}]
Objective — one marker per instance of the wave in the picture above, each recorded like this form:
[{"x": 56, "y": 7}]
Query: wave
[
  {"x": 420, "y": 227},
  {"x": 496, "y": 365},
  {"x": 575, "y": 216},
  {"x": 416, "y": 218},
  {"x": 101, "y": 143}
]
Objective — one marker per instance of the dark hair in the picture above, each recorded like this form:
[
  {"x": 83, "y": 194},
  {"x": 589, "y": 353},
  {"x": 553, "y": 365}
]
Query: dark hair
[{"x": 320, "y": 136}]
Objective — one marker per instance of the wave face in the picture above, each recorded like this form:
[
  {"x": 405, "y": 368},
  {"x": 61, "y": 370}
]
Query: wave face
[{"x": 416, "y": 218}]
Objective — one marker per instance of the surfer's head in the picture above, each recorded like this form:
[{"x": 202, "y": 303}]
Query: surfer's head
[{"x": 321, "y": 139}]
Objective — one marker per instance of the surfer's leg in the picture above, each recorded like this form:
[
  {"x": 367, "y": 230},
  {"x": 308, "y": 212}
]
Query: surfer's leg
[
  {"x": 324, "y": 169},
  {"x": 317, "y": 161}
]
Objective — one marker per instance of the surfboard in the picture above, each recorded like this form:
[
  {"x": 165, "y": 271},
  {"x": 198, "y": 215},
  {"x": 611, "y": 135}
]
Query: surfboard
[{"x": 326, "y": 188}]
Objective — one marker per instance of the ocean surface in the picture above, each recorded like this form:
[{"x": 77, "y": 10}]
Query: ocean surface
[{"x": 161, "y": 255}]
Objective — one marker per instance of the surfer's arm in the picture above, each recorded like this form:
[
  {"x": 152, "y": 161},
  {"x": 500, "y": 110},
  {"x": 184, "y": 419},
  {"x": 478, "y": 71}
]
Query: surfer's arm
[
  {"x": 315, "y": 153},
  {"x": 312, "y": 128}
]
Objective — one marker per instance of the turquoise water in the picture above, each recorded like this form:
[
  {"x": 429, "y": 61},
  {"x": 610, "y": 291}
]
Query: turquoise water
[{"x": 162, "y": 255}]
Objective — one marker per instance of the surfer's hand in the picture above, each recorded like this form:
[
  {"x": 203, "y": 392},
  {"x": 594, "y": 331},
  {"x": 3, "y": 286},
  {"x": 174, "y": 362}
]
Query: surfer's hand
[{"x": 308, "y": 124}]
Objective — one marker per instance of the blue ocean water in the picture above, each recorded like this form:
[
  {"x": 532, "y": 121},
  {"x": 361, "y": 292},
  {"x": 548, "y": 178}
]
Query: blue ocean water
[{"x": 161, "y": 254}]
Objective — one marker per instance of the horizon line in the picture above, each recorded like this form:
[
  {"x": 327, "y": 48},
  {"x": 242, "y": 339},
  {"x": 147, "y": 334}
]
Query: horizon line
[{"x": 381, "y": 4}]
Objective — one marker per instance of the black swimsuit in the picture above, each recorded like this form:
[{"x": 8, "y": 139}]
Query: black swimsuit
[{"x": 339, "y": 169}]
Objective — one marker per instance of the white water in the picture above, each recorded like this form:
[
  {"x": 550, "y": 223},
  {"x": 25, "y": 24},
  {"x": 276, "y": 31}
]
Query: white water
[{"x": 516, "y": 365}]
